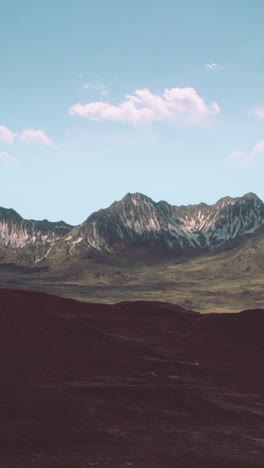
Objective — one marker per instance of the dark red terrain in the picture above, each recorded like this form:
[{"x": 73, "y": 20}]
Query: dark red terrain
[{"x": 135, "y": 384}]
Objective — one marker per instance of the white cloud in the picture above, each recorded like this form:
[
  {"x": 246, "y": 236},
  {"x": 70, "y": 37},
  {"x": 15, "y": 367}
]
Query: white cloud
[
  {"x": 35, "y": 137},
  {"x": 178, "y": 104},
  {"x": 27, "y": 136},
  {"x": 243, "y": 159},
  {"x": 213, "y": 66},
  {"x": 258, "y": 148},
  {"x": 259, "y": 112},
  {"x": 240, "y": 158},
  {"x": 101, "y": 87},
  {"x": 6, "y": 136},
  {"x": 236, "y": 155},
  {"x": 5, "y": 156}
]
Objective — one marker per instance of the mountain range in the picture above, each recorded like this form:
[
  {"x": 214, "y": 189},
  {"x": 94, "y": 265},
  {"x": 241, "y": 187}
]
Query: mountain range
[{"x": 135, "y": 225}]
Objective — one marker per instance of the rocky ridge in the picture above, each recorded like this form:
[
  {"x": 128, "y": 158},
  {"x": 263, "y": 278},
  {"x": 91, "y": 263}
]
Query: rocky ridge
[
  {"x": 134, "y": 223},
  {"x": 137, "y": 222},
  {"x": 27, "y": 241}
]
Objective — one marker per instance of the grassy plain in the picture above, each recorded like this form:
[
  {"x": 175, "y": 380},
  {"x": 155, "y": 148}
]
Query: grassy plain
[{"x": 224, "y": 282}]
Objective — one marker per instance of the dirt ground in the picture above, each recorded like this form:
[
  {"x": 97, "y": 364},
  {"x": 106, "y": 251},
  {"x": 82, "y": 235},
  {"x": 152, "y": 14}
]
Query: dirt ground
[{"x": 139, "y": 384}]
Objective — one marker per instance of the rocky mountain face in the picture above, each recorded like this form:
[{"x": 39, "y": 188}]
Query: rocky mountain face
[
  {"x": 138, "y": 222},
  {"x": 27, "y": 241},
  {"x": 135, "y": 223}
]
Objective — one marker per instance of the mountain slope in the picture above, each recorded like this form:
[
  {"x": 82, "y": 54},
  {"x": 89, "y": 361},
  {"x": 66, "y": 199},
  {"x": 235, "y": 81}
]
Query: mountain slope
[
  {"x": 137, "y": 222},
  {"x": 135, "y": 225},
  {"x": 27, "y": 241}
]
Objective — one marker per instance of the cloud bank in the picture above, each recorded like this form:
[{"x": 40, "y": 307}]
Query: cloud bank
[
  {"x": 28, "y": 136},
  {"x": 175, "y": 104},
  {"x": 244, "y": 159},
  {"x": 36, "y": 137},
  {"x": 6, "y": 136}
]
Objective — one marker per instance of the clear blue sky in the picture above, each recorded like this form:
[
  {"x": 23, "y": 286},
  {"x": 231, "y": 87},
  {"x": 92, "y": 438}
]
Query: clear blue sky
[{"x": 100, "y": 98}]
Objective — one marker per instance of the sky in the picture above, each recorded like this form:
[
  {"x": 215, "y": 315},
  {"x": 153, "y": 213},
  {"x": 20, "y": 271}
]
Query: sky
[{"x": 101, "y": 98}]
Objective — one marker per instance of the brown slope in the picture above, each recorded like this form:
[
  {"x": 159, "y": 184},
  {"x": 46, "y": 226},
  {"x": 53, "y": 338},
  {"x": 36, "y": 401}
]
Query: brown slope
[{"x": 131, "y": 384}]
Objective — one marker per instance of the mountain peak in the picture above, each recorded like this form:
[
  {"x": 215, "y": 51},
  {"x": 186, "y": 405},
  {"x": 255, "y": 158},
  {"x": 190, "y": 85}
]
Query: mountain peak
[
  {"x": 231, "y": 200},
  {"x": 251, "y": 196},
  {"x": 135, "y": 196},
  {"x": 133, "y": 224},
  {"x": 227, "y": 201}
]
